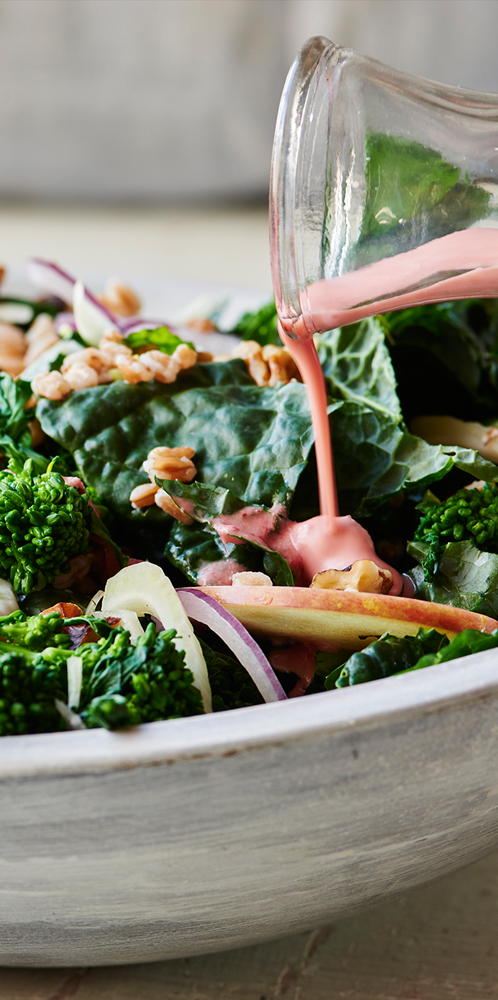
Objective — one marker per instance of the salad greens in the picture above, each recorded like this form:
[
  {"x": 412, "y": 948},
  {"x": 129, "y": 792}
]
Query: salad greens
[
  {"x": 393, "y": 655},
  {"x": 43, "y": 523},
  {"x": 121, "y": 684},
  {"x": 468, "y": 515},
  {"x": 252, "y": 445}
]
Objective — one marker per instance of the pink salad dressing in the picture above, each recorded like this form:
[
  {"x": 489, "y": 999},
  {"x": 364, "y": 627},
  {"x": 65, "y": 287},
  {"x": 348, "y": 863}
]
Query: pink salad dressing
[{"x": 460, "y": 265}]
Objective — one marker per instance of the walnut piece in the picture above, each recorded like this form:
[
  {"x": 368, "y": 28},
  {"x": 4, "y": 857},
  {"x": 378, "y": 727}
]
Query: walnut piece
[{"x": 363, "y": 576}]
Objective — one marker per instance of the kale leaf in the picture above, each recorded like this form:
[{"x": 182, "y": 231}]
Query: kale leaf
[
  {"x": 465, "y": 578},
  {"x": 388, "y": 655}
]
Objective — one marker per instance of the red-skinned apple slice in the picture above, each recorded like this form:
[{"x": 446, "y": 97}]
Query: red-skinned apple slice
[{"x": 346, "y": 619}]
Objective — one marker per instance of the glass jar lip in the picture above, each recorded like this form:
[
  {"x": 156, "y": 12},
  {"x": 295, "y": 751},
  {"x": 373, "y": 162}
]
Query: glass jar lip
[{"x": 283, "y": 172}]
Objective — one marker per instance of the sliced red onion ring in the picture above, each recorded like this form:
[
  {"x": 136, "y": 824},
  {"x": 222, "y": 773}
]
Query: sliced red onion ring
[
  {"x": 90, "y": 316},
  {"x": 206, "y": 610},
  {"x": 51, "y": 278}
]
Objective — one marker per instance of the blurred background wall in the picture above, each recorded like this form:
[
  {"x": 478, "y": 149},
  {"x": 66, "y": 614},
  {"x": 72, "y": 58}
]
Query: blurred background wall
[{"x": 169, "y": 101}]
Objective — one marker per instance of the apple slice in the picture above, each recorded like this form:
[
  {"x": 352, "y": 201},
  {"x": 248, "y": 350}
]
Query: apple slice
[{"x": 346, "y": 619}]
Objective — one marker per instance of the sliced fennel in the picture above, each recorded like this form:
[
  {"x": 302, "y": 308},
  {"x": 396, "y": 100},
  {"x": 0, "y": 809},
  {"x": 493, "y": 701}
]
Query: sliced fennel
[{"x": 145, "y": 589}]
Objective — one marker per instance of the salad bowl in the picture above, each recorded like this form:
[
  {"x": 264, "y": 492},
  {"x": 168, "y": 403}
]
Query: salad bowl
[{"x": 218, "y": 831}]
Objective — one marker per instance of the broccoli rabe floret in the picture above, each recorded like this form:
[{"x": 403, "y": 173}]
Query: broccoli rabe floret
[
  {"x": 122, "y": 684},
  {"x": 36, "y": 632},
  {"x": 29, "y": 687},
  {"x": 129, "y": 685},
  {"x": 469, "y": 515},
  {"x": 43, "y": 524}
]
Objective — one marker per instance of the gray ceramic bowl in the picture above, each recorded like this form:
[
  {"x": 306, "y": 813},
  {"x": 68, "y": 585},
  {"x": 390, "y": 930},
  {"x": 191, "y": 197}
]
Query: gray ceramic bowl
[{"x": 208, "y": 833}]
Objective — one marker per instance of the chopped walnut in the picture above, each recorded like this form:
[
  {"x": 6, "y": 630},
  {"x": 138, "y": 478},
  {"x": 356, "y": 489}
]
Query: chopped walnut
[
  {"x": 120, "y": 298},
  {"x": 281, "y": 365},
  {"x": 202, "y": 325},
  {"x": 163, "y": 367},
  {"x": 89, "y": 356},
  {"x": 12, "y": 340},
  {"x": 248, "y": 579},
  {"x": 51, "y": 385},
  {"x": 363, "y": 576}
]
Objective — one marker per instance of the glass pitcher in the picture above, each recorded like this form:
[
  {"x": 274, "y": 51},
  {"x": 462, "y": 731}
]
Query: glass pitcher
[{"x": 384, "y": 191}]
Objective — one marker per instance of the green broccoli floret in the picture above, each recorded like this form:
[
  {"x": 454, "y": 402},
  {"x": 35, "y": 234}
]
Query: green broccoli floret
[
  {"x": 260, "y": 325},
  {"x": 29, "y": 687},
  {"x": 469, "y": 515},
  {"x": 43, "y": 523},
  {"x": 129, "y": 685},
  {"x": 36, "y": 632},
  {"x": 122, "y": 684}
]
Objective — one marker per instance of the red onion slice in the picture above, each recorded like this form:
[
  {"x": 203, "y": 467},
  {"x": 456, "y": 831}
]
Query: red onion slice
[
  {"x": 209, "y": 612},
  {"x": 51, "y": 278}
]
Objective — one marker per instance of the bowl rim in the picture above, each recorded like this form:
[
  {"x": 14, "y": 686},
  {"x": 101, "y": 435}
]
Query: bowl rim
[{"x": 379, "y": 703}]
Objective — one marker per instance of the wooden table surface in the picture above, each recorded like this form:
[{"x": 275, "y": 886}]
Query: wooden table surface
[
  {"x": 440, "y": 941},
  {"x": 437, "y": 943}
]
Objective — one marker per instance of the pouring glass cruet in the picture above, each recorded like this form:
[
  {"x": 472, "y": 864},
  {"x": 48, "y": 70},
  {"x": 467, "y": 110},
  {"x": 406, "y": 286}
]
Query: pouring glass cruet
[
  {"x": 384, "y": 191},
  {"x": 384, "y": 194}
]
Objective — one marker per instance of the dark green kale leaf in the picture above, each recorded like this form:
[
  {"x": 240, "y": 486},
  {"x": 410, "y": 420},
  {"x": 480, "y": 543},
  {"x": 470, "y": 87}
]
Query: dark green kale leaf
[
  {"x": 260, "y": 325},
  {"x": 387, "y": 656},
  {"x": 231, "y": 685},
  {"x": 464, "y": 644},
  {"x": 356, "y": 363},
  {"x": 189, "y": 549},
  {"x": 445, "y": 359},
  {"x": 253, "y": 441},
  {"x": 465, "y": 578}
]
